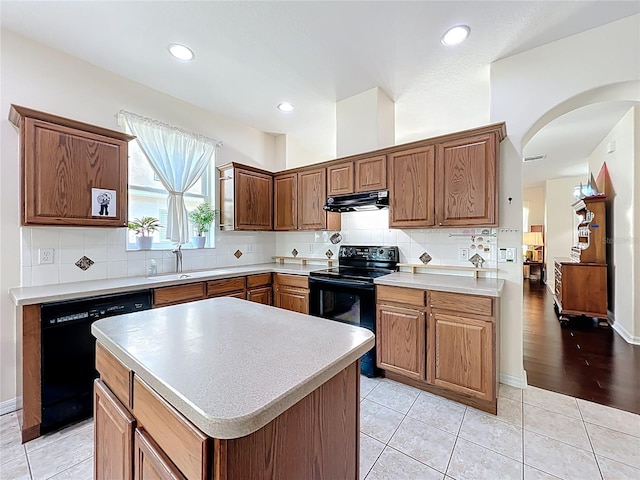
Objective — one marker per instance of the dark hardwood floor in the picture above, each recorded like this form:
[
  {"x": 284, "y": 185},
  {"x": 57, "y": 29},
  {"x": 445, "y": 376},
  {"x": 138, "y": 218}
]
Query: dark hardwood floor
[{"x": 581, "y": 359}]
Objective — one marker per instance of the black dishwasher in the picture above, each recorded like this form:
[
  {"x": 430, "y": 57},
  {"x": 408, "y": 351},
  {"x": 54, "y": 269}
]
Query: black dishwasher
[{"x": 69, "y": 350}]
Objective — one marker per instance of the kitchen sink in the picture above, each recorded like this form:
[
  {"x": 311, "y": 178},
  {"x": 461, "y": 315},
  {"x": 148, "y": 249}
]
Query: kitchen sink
[{"x": 188, "y": 275}]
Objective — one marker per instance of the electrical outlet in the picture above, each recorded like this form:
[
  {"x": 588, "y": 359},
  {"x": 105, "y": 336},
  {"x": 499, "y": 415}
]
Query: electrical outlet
[
  {"x": 311, "y": 248},
  {"x": 250, "y": 248},
  {"x": 45, "y": 255},
  {"x": 463, "y": 254}
]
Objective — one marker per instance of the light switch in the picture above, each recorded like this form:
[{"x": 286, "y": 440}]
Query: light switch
[{"x": 507, "y": 255}]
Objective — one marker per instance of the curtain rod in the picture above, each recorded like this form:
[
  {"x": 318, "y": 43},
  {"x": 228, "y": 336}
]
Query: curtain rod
[{"x": 216, "y": 143}]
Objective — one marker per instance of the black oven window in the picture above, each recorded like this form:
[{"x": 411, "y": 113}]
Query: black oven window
[{"x": 344, "y": 307}]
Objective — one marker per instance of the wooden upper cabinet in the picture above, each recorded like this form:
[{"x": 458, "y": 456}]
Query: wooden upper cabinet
[
  {"x": 285, "y": 199},
  {"x": 340, "y": 179},
  {"x": 467, "y": 181},
  {"x": 246, "y": 198},
  {"x": 411, "y": 187},
  {"x": 371, "y": 174},
  {"x": 62, "y": 161},
  {"x": 312, "y": 196}
]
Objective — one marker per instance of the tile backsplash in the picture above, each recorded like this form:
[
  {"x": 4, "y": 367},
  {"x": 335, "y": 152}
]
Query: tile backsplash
[
  {"x": 106, "y": 248},
  {"x": 372, "y": 228}
]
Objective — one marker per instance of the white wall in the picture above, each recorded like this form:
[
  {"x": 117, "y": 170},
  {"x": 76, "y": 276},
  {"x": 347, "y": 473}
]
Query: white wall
[
  {"x": 39, "y": 77},
  {"x": 364, "y": 122},
  {"x": 559, "y": 221},
  {"x": 524, "y": 88},
  {"x": 535, "y": 197},
  {"x": 623, "y": 166}
]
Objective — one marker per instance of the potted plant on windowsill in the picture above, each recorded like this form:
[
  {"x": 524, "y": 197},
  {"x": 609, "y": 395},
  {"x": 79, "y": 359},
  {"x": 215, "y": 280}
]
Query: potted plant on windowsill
[
  {"x": 144, "y": 228},
  {"x": 202, "y": 218}
]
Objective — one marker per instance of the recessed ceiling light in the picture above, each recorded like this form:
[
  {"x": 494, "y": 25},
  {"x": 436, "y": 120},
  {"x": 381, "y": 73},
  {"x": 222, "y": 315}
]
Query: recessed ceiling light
[
  {"x": 181, "y": 52},
  {"x": 285, "y": 107},
  {"x": 455, "y": 35}
]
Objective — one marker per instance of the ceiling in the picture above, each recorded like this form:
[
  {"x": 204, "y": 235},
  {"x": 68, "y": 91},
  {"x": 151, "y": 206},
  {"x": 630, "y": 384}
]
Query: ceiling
[
  {"x": 568, "y": 141},
  {"x": 250, "y": 56}
]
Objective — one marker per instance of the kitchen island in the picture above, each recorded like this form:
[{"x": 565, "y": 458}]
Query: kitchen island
[{"x": 224, "y": 388}]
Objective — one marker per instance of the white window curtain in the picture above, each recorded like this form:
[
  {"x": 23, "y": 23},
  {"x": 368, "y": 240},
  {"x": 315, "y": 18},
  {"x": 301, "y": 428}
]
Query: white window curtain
[{"x": 178, "y": 158}]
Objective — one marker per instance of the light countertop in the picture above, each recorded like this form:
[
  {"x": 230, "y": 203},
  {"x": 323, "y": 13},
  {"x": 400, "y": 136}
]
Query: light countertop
[
  {"x": 231, "y": 366},
  {"x": 69, "y": 291},
  {"x": 490, "y": 287}
]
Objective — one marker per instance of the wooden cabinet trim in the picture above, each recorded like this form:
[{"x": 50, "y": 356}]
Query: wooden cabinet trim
[
  {"x": 149, "y": 460},
  {"x": 253, "y": 199},
  {"x": 367, "y": 178},
  {"x": 460, "y": 302},
  {"x": 471, "y": 373},
  {"x": 183, "y": 443},
  {"x": 115, "y": 375},
  {"x": 259, "y": 280},
  {"x": 262, "y": 295},
  {"x": 57, "y": 182},
  {"x": 31, "y": 373},
  {"x": 113, "y": 436},
  {"x": 227, "y": 285},
  {"x": 285, "y": 202},
  {"x": 401, "y": 295},
  {"x": 411, "y": 181},
  {"x": 340, "y": 179},
  {"x": 164, "y": 296},
  {"x": 405, "y": 351},
  {"x": 499, "y": 129},
  {"x": 287, "y": 280},
  {"x": 465, "y": 180},
  {"x": 312, "y": 196}
]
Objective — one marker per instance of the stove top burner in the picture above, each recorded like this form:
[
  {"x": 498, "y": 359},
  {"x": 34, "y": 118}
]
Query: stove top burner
[
  {"x": 355, "y": 273},
  {"x": 363, "y": 263}
]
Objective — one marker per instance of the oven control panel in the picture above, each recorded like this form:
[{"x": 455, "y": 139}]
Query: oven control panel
[{"x": 372, "y": 253}]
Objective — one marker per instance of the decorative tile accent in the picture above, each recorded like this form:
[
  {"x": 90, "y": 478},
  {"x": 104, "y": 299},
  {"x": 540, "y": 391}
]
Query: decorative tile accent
[
  {"x": 329, "y": 253},
  {"x": 84, "y": 263},
  {"x": 237, "y": 253},
  {"x": 294, "y": 252},
  {"x": 425, "y": 258},
  {"x": 477, "y": 261}
]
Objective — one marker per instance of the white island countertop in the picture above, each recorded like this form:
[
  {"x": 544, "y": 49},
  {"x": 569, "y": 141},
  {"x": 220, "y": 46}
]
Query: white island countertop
[
  {"x": 231, "y": 366},
  {"x": 490, "y": 287}
]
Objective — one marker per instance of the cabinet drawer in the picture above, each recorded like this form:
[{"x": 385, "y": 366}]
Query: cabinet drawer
[
  {"x": 114, "y": 374},
  {"x": 459, "y": 302},
  {"x": 184, "y": 444},
  {"x": 217, "y": 287},
  {"x": 261, "y": 280},
  {"x": 401, "y": 295},
  {"x": 297, "y": 281},
  {"x": 178, "y": 294}
]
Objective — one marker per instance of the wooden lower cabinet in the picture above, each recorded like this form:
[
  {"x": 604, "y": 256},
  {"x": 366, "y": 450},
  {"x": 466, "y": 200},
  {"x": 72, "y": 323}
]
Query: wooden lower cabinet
[
  {"x": 291, "y": 292},
  {"x": 150, "y": 462},
  {"x": 113, "y": 436},
  {"x": 451, "y": 353},
  {"x": 260, "y": 295},
  {"x": 164, "y": 296},
  {"x": 228, "y": 287},
  {"x": 463, "y": 351},
  {"x": 581, "y": 289},
  {"x": 401, "y": 343},
  {"x": 154, "y": 441}
]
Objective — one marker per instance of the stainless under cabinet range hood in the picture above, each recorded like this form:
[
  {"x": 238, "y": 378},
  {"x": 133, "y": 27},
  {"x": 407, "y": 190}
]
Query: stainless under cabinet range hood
[{"x": 358, "y": 202}]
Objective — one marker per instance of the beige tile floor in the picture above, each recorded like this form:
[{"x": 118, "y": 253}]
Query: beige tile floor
[{"x": 407, "y": 434}]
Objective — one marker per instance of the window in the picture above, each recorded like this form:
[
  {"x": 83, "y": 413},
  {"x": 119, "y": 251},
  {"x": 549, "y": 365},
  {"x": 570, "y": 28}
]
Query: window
[{"x": 147, "y": 197}]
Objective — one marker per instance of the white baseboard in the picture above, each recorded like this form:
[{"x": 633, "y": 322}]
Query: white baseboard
[
  {"x": 624, "y": 333},
  {"x": 8, "y": 406},
  {"x": 513, "y": 381}
]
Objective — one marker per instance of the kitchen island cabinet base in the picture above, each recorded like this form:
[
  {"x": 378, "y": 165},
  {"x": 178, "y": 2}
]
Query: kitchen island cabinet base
[
  {"x": 484, "y": 405},
  {"x": 316, "y": 438}
]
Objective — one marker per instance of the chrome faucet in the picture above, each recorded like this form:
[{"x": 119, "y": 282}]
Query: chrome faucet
[{"x": 178, "y": 252}]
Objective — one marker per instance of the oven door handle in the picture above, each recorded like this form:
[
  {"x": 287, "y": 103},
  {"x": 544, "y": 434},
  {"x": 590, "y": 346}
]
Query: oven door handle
[{"x": 340, "y": 283}]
